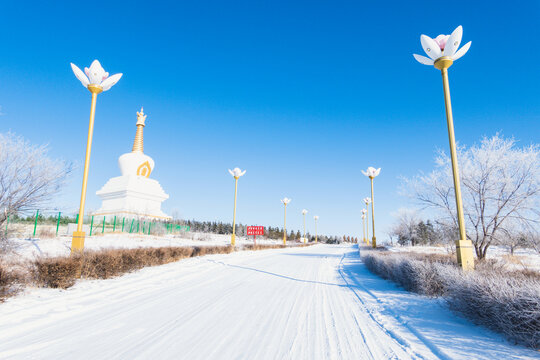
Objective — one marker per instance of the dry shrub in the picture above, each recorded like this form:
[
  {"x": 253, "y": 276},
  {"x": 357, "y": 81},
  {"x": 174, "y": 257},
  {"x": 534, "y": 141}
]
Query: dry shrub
[
  {"x": 6, "y": 280},
  {"x": 11, "y": 281},
  {"x": 504, "y": 301},
  {"x": 58, "y": 272},
  {"x": 46, "y": 233},
  {"x": 62, "y": 272},
  {"x": 263, "y": 246}
]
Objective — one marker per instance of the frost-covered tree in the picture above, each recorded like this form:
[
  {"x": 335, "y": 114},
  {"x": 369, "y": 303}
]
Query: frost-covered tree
[
  {"x": 28, "y": 176},
  {"x": 500, "y": 185},
  {"x": 404, "y": 228}
]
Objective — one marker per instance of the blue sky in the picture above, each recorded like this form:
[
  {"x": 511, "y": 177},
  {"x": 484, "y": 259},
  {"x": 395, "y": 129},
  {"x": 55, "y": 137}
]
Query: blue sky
[{"x": 304, "y": 95}]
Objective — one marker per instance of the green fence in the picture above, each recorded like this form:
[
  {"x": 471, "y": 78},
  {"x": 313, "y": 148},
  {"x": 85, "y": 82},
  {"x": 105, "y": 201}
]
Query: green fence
[{"x": 51, "y": 224}]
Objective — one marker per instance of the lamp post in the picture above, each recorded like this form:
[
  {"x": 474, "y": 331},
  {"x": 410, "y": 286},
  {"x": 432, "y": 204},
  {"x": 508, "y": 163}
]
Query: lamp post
[
  {"x": 367, "y": 201},
  {"x": 304, "y": 212},
  {"x": 236, "y": 173},
  {"x": 96, "y": 80},
  {"x": 442, "y": 52},
  {"x": 316, "y": 218},
  {"x": 371, "y": 173},
  {"x": 364, "y": 212},
  {"x": 285, "y": 201}
]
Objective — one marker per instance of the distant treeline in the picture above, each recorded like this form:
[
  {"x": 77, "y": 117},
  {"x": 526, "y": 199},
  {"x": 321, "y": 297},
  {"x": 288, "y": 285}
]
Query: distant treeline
[{"x": 215, "y": 227}]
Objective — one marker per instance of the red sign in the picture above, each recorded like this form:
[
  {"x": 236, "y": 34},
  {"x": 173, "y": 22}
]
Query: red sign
[{"x": 255, "y": 230}]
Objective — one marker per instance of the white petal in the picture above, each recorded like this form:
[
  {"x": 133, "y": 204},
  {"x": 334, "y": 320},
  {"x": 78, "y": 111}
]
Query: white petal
[
  {"x": 80, "y": 75},
  {"x": 230, "y": 171},
  {"x": 453, "y": 42},
  {"x": 423, "y": 60},
  {"x": 242, "y": 173},
  {"x": 462, "y": 51},
  {"x": 431, "y": 48},
  {"x": 365, "y": 173},
  {"x": 96, "y": 73},
  {"x": 110, "y": 81},
  {"x": 377, "y": 171}
]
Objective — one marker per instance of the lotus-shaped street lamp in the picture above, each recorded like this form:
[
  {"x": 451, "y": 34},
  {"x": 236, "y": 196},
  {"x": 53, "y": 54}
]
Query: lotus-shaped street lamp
[
  {"x": 304, "y": 212},
  {"x": 444, "y": 48},
  {"x": 316, "y": 218},
  {"x": 96, "y": 80},
  {"x": 95, "y": 77},
  {"x": 364, "y": 224},
  {"x": 285, "y": 201},
  {"x": 442, "y": 52},
  {"x": 236, "y": 173},
  {"x": 371, "y": 173},
  {"x": 364, "y": 215}
]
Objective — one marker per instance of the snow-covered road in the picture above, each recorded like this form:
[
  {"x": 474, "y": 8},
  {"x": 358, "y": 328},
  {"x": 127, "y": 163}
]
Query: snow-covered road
[{"x": 318, "y": 302}]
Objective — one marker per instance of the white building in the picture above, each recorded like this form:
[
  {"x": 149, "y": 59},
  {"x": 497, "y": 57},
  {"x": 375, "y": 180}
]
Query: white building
[{"x": 133, "y": 194}]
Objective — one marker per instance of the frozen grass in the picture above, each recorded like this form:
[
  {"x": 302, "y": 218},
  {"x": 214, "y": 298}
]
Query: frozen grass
[{"x": 504, "y": 301}]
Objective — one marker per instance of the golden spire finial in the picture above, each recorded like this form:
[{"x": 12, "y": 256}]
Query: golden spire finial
[
  {"x": 141, "y": 117},
  {"x": 138, "y": 143}
]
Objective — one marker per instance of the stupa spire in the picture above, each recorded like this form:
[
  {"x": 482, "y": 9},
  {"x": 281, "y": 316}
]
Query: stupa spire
[{"x": 138, "y": 143}]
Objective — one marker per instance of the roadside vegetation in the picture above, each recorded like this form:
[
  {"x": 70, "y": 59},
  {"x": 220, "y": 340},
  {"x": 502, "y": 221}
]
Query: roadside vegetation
[
  {"x": 64, "y": 271},
  {"x": 505, "y": 301}
]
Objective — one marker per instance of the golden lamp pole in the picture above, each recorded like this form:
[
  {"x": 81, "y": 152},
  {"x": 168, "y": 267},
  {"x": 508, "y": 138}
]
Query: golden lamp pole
[
  {"x": 285, "y": 201},
  {"x": 372, "y": 173},
  {"x": 442, "y": 52},
  {"x": 367, "y": 201},
  {"x": 304, "y": 212},
  {"x": 96, "y": 80},
  {"x": 316, "y": 217},
  {"x": 364, "y": 212},
  {"x": 236, "y": 173}
]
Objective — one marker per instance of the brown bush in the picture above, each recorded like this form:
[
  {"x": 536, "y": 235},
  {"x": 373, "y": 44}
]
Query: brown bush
[
  {"x": 58, "y": 272},
  {"x": 264, "y": 246},
  {"x": 46, "y": 233},
  {"x": 12, "y": 279},
  {"x": 62, "y": 272}
]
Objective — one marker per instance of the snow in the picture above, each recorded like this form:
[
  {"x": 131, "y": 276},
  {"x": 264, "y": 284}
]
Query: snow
[
  {"x": 30, "y": 248},
  {"x": 318, "y": 302},
  {"x": 522, "y": 259}
]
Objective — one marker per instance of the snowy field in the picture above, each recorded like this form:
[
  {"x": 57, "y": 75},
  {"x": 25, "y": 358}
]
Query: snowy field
[
  {"x": 522, "y": 258},
  {"x": 30, "y": 248},
  {"x": 318, "y": 302}
]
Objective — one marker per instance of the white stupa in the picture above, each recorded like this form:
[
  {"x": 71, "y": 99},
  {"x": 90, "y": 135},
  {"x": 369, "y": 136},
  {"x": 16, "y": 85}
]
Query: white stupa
[{"x": 133, "y": 194}]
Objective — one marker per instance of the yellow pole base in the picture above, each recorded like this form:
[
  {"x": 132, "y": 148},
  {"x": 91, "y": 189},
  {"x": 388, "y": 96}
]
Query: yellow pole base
[
  {"x": 77, "y": 241},
  {"x": 284, "y": 241},
  {"x": 233, "y": 239},
  {"x": 465, "y": 257},
  {"x": 374, "y": 242}
]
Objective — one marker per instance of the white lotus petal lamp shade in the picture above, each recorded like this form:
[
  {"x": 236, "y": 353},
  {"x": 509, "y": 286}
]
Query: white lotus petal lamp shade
[
  {"x": 95, "y": 75},
  {"x": 364, "y": 210},
  {"x": 363, "y": 216},
  {"x": 367, "y": 201},
  {"x": 316, "y": 217},
  {"x": 285, "y": 201},
  {"x": 371, "y": 172},
  {"x": 431, "y": 48},
  {"x": 236, "y": 172},
  {"x": 442, "y": 46},
  {"x": 304, "y": 211}
]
